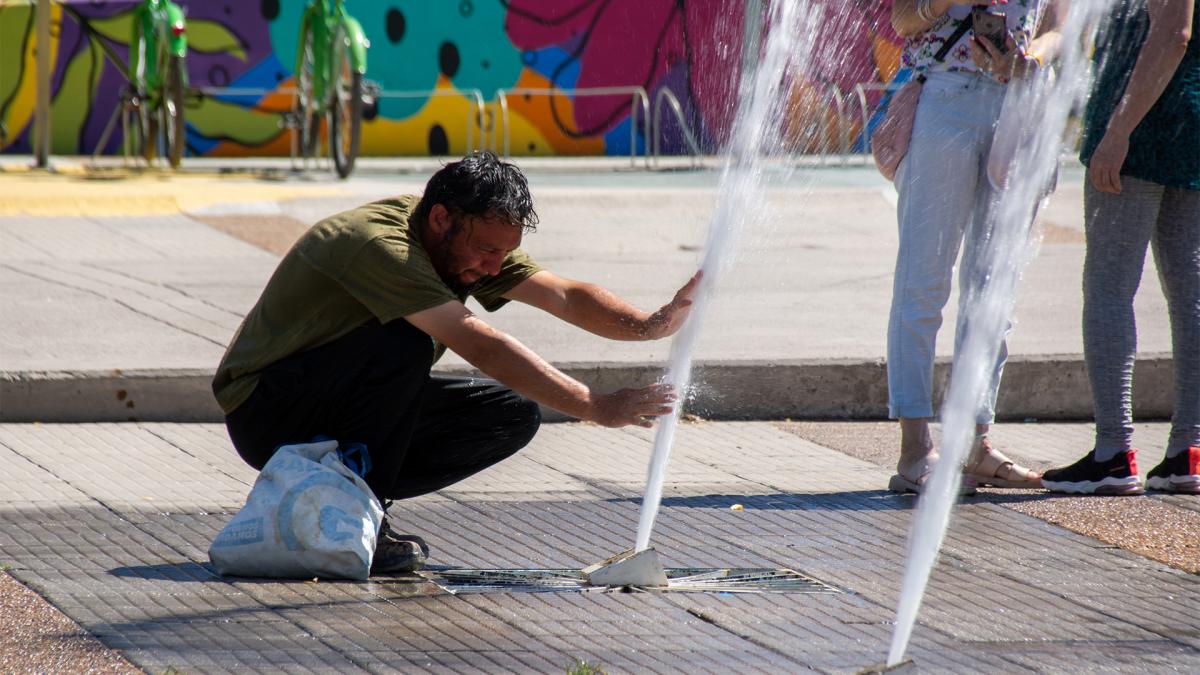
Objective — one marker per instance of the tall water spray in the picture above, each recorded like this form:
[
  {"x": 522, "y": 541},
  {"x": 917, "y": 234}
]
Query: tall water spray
[
  {"x": 1011, "y": 244},
  {"x": 790, "y": 29}
]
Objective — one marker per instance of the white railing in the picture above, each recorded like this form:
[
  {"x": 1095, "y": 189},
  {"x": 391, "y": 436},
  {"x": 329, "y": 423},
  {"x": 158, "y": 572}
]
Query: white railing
[
  {"x": 843, "y": 131},
  {"x": 488, "y": 123},
  {"x": 476, "y": 97},
  {"x": 665, "y": 94},
  {"x": 637, "y": 95},
  {"x": 473, "y": 121}
]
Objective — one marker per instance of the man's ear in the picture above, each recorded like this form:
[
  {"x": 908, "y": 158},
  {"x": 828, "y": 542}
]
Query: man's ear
[{"x": 439, "y": 219}]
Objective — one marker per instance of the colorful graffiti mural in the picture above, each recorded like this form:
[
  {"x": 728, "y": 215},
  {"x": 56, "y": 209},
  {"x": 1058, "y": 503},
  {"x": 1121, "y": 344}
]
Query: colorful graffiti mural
[{"x": 433, "y": 60}]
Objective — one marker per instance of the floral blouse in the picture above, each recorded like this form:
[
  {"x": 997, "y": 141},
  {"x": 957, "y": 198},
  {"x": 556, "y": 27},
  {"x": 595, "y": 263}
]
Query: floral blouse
[{"x": 1021, "y": 17}]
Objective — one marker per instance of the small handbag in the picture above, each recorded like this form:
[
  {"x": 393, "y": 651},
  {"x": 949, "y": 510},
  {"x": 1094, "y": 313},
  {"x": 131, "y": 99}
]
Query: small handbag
[{"x": 889, "y": 142}]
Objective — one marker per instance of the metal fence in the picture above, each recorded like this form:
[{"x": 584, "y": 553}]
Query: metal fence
[{"x": 487, "y": 124}]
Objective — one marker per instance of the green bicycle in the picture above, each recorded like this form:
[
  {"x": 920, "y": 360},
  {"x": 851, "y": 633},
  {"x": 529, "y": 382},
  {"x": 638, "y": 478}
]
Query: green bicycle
[
  {"x": 158, "y": 79},
  {"x": 330, "y": 67}
]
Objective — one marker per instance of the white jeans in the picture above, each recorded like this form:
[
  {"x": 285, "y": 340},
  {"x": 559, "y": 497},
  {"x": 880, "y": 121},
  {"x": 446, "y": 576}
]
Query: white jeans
[{"x": 945, "y": 199}]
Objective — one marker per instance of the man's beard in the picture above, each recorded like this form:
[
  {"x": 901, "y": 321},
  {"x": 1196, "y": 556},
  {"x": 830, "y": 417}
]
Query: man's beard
[
  {"x": 461, "y": 288},
  {"x": 458, "y": 287}
]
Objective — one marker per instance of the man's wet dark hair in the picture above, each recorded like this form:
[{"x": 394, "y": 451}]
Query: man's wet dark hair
[{"x": 480, "y": 184}]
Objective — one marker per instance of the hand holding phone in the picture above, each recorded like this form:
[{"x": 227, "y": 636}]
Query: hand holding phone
[{"x": 990, "y": 25}]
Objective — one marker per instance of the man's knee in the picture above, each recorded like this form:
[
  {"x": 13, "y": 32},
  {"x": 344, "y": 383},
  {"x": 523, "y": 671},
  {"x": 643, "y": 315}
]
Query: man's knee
[
  {"x": 527, "y": 419},
  {"x": 516, "y": 428}
]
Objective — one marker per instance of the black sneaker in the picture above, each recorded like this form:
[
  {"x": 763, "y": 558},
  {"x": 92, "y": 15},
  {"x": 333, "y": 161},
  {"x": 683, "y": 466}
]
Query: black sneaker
[
  {"x": 395, "y": 552},
  {"x": 1180, "y": 473},
  {"x": 1117, "y": 476}
]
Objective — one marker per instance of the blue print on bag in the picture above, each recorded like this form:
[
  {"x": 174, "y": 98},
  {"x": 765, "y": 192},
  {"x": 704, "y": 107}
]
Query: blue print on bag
[
  {"x": 353, "y": 454},
  {"x": 329, "y": 524},
  {"x": 240, "y": 534},
  {"x": 356, "y": 458},
  {"x": 332, "y": 518}
]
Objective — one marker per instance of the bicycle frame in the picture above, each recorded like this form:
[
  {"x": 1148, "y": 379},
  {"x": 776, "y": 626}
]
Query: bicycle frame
[
  {"x": 155, "y": 20},
  {"x": 324, "y": 18}
]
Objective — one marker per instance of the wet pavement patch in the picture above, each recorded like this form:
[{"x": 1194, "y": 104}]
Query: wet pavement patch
[{"x": 686, "y": 579}]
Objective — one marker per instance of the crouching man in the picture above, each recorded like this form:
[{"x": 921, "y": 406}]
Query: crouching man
[{"x": 342, "y": 340}]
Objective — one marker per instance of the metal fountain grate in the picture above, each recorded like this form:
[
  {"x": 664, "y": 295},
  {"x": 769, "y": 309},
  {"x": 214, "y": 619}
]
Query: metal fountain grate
[{"x": 689, "y": 579}]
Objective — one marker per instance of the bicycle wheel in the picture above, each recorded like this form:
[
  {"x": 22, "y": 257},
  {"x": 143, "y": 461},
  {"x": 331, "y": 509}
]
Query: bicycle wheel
[
  {"x": 145, "y": 130},
  {"x": 304, "y": 104},
  {"x": 145, "y": 127},
  {"x": 345, "y": 112},
  {"x": 171, "y": 111}
]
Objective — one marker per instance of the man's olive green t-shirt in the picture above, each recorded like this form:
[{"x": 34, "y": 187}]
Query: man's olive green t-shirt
[{"x": 348, "y": 270}]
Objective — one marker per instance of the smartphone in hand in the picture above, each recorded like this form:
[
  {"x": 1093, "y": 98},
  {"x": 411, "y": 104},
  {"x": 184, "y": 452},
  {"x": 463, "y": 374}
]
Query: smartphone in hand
[{"x": 990, "y": 25}]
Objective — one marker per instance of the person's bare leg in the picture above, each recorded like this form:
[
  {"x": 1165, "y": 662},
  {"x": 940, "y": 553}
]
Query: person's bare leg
[{"x": 916, "y": 447}]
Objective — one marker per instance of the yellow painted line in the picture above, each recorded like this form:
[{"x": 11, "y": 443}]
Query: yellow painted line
[{"x": 114, "y": 194}]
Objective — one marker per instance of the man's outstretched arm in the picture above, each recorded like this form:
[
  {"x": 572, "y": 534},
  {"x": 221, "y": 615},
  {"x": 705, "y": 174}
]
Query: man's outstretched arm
[
  {"x": 600, "y": 311},
  {"x": 500, "y": 356}
]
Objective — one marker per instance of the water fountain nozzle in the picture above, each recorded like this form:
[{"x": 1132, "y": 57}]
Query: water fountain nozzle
[{"x": 629, "y": 568}]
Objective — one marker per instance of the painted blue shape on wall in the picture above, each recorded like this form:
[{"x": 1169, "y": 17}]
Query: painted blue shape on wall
[
  {"x": 551, "y": 60},
  {"x": 197, "y": 144},
  {"x": 266, "y": 75},
  {"x": 616, "y": 141}
]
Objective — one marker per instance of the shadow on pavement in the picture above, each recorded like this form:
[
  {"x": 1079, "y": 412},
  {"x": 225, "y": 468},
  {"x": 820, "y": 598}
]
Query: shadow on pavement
[{"x": 857, "y": 500}]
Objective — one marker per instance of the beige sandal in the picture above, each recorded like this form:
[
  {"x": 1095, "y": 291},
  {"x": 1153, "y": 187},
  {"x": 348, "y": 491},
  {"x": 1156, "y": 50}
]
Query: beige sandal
[
  {"x": 989, "y": 466},
  {"x": 903, "y": 484}
]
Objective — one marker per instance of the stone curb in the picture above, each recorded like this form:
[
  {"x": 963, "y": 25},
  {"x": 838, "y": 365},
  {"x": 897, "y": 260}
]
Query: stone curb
[{"x": 1039, "y": 387}]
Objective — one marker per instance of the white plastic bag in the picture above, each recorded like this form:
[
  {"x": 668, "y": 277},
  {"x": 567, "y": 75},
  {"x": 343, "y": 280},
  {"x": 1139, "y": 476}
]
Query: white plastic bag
[{"x": 307, "y": 516}]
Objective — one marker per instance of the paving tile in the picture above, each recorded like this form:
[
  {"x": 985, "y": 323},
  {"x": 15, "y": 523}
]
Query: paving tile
[{"x": 1010, "y": 593}]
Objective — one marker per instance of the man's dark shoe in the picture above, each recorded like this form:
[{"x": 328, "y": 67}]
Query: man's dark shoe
[
  {"x": 1117, "y": 476},
  {"x": 1180, "y": 473},
  {"x": 395, "y": 552}
]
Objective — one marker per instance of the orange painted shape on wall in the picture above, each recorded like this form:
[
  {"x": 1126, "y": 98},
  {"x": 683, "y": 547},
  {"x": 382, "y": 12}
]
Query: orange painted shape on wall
[
  {"x": 280, "y": 146},
  {"x": 811, "y": 122},
  {"x": 537, "y": 122},
  {"x": 887, "y": 57},
  {"x": 279, "y": 100}
]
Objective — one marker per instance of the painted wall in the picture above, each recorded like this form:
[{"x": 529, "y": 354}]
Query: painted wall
[{"x": 692, "y": 47}]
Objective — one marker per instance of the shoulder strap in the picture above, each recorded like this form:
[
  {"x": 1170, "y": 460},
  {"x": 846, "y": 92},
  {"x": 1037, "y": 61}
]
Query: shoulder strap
[{"x": 963, "y": 27}]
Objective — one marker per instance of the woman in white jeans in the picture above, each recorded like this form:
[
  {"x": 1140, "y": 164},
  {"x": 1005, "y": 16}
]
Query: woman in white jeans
[{"x": 944, "y": 202}]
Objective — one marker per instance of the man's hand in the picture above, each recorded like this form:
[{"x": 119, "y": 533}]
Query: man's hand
[
  {"x": 1104, "y": 169},
  {"x": 667, "y": 320},
  {"x": 633, "y": 406}
]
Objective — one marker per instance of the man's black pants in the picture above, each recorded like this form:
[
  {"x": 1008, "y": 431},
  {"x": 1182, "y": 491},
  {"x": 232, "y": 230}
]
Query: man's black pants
[{"x": 373, "y": 386}]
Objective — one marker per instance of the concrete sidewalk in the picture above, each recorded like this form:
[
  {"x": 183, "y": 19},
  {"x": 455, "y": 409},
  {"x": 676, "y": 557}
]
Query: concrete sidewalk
[
  {"x": 111, "y": 523},
  {"x": 120, "y": 292}
]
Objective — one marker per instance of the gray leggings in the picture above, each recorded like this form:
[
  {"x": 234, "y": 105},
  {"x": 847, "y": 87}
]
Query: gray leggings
[{"x": 1119, "y": 226}]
